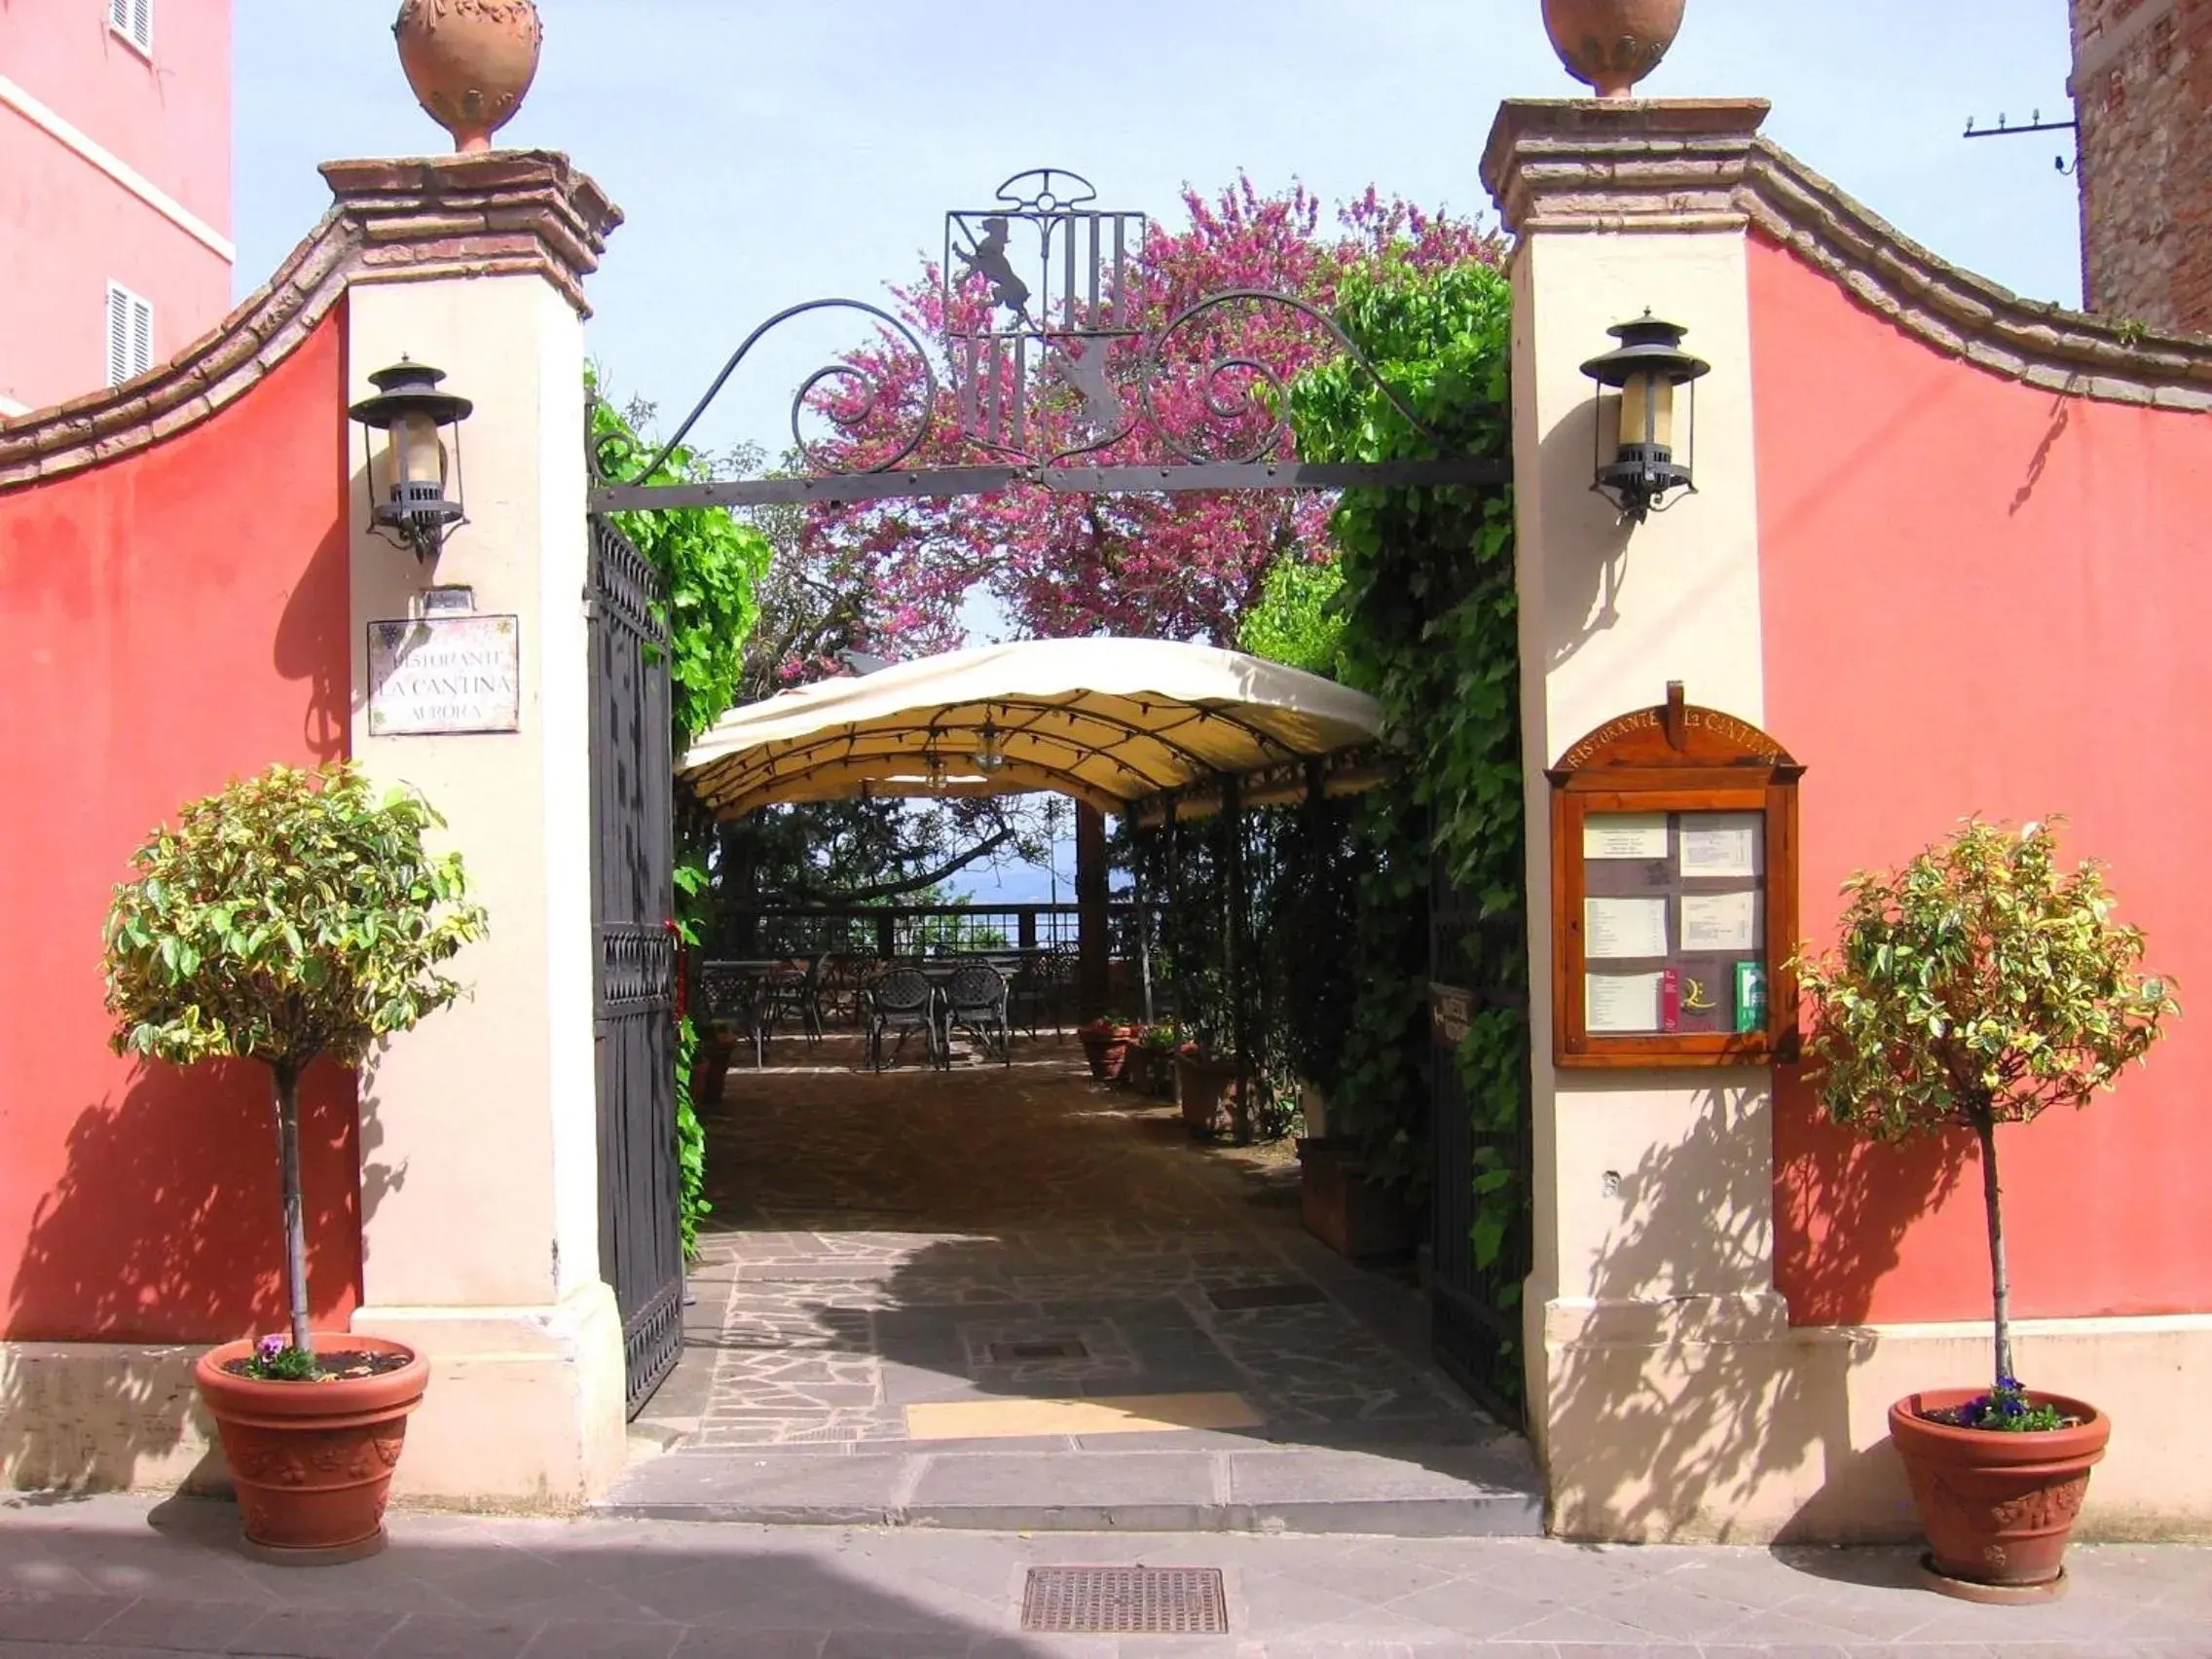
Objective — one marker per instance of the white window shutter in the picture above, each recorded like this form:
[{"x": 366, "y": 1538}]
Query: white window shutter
[
  {"x": 134, "y": 20},
  {"x": 118, "y": 336},
  {"x": 141, "y": 336},
  {"x": 129, "y": 335}
]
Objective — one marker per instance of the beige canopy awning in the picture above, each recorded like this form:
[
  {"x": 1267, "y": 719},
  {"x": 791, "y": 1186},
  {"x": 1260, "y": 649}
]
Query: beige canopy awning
[{"x": 1108, "y": 721}]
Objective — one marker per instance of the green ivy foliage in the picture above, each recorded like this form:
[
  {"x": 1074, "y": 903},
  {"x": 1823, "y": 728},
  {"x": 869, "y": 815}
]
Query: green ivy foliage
[
  {"x": 1298, "y": 620},
  {"x": 1431, "y": 629},
  {"x": 712, "y": 563}
]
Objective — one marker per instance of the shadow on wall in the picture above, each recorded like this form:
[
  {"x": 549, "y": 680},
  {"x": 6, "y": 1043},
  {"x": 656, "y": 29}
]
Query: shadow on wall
[
  {"x": 1681, "y": 1404},
  {"x": 314, "y": 643},
  {"x": 1844, "y": 1205},
  {"x": 1581, "y": 600},
  {"x": 164, "y": 1232}
]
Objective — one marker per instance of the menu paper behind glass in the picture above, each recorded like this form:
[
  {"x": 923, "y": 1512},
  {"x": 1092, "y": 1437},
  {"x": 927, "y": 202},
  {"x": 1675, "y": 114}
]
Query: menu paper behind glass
[
  {"x": 1721, "y": 843},
  {"x": 1624, "y": 927},
  {"x": 1622, "y": 1002},
  {"x": 1625, "y": 835}
]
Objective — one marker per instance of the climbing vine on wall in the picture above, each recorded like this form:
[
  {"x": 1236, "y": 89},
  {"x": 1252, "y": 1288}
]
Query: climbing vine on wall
[
  {"x": 711, "y": 564},
  {"x": 1429, "y": 628}
]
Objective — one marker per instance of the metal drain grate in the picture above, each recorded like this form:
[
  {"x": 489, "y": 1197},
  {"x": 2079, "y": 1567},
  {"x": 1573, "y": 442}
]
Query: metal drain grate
[
  {"x": 1241, "y": 1298},
  {"x": 1051, "y": 1348},
  {"x": 1134, "y": 1601}
]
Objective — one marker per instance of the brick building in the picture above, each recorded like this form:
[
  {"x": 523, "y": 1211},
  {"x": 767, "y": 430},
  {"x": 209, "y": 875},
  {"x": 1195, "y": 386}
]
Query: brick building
[
  {"x": 114, "y": 190},
  {"x": 2142, "y": 88}
]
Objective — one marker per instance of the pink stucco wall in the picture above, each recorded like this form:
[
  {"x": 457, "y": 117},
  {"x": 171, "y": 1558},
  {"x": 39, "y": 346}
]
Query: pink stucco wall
[
  {"x": 1982, "y": 597},
  {"x": 67, "y": 229}
]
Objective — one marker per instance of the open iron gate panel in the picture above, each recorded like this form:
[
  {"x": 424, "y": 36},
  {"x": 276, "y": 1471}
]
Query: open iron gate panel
[{"x": 633, "y": 898}]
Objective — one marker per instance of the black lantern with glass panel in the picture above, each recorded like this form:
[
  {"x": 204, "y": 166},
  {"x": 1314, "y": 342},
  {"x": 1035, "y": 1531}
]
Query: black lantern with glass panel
[
  {"x": 409, "y": 502},
  {"x": 1636, "y": 468}
]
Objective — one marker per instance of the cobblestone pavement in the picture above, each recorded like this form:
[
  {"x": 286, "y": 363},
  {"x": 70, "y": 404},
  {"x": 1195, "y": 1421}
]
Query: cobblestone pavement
[
  {"x": 125, "y": 1578},
  {"x": 984, "y": 1241}
]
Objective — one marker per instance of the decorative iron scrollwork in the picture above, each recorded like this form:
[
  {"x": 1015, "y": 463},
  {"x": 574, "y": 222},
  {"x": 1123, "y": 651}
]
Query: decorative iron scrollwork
[
  {"x": 847, "y": 372},
  {"x": 1068, "y": 321}
]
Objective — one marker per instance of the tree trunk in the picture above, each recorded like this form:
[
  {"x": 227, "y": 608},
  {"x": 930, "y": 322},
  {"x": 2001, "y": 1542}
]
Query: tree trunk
[
  {"x": 2000, "y": 1282},
  {"x": 295, "y": 1221}
]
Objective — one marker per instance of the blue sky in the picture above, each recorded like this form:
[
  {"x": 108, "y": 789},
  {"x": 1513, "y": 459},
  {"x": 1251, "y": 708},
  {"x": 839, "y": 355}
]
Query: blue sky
[{"x": 770, "y": 151}]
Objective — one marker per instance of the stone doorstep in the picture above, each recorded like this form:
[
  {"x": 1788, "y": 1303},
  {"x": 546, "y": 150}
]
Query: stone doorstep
[{"x": 1489, "y": 1491}]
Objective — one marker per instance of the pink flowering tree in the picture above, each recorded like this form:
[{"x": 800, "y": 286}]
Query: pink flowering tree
[{"x": 1180, "y": 567}]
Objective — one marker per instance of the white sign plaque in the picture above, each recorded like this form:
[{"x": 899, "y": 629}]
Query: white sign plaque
[{"x": 444, "y": 673}]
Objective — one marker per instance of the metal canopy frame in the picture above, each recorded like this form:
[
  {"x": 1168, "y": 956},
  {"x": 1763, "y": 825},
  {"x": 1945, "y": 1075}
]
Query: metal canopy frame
[{"x": 1062, "y": 322}]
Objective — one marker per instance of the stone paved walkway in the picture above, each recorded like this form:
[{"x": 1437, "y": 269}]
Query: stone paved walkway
[
  {"x": 1011, "y": 1296},
  {"x": 124, "y": 1578}
]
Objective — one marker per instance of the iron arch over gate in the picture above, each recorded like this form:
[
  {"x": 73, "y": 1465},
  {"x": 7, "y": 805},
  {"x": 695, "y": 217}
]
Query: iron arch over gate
[
  {"x": 641, "y": 1247},
  {"x": 1052, "y": 266}
]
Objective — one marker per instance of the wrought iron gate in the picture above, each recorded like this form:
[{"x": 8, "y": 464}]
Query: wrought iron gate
[
  {"x": 640, "y": 1249},
  {"x": 1475, "y": 1311}
]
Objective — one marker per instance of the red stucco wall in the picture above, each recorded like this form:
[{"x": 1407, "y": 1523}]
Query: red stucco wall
[
  {"x": 167, "y": 621},
  {"x": 1981, "y": 597}
]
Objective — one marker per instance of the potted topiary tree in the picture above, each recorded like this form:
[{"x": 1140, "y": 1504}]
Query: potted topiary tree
[
  {"x": 293, "y": 915},
  {"x": 1981, "y": 985}
]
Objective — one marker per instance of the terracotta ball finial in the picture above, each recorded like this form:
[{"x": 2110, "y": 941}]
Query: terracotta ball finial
[
  {"x": 469, "y": 61},
  {"x": 1613, "y": 44}
]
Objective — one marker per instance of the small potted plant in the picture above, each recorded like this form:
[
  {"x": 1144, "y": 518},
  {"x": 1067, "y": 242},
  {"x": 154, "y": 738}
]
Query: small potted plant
[
  {"x": 1981, "y": 985},
  {"x": 293, "y": 916},
  {"x": 1157, "y": 1051},
  {"x": 1106, "y": 1043}
]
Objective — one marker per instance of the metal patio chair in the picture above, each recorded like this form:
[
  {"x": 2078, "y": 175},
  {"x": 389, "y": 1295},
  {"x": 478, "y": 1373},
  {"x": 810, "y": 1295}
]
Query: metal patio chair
[
  {"x": 735, "y": 994},
  {"x": 791, "y": 992},
  {"x": 899, "y": 1001},
  {"x": 974, "y": 1001}
]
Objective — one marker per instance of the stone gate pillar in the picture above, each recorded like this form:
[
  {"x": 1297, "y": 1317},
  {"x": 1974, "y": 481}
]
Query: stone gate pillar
[
  {"x": 478, "y": 1131},
  {"x": 1655, "y": 1337}
]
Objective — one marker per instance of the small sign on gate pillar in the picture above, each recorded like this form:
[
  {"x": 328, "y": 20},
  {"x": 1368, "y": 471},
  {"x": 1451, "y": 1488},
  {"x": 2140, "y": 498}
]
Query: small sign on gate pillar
[{"x": 440, "y": 674}]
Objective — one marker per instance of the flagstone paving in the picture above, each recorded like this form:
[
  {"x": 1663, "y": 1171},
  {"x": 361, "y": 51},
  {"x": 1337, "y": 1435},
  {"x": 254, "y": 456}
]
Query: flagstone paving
[{"x": 920, "y": 1239}]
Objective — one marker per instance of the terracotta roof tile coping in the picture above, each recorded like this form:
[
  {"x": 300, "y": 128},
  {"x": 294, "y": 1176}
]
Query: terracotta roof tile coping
[{"x": 1676, "y": 166}]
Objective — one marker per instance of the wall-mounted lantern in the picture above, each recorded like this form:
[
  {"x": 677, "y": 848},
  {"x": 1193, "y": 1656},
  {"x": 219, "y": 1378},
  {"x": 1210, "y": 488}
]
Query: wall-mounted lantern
[
  {"x": 1636, "y": 468},
  {"x": 407, "y": 491}
]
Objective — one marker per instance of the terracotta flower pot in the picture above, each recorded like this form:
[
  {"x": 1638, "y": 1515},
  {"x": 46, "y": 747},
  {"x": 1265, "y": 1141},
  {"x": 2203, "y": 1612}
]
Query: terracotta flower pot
[
  {"x": 1997, "y": 1508},
  {"x": 1613, "y": 44},
  {"x": 1108, "y": 1051},
  {"x": 469, "y": 61},
  {"x": 313, "y": 1462},
  {"x": 1207, "y": 1089},
  {"x": 710, "y": 1069},
  {"x": 1342, "y": 1207}
]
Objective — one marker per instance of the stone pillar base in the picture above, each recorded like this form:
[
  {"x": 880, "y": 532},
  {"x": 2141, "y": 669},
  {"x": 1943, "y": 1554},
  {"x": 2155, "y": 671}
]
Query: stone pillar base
[
  {"x": 103, "y": 1416},
  {"x": 525, "y": 1405},
  {"x": 1709, "y": 1420}
]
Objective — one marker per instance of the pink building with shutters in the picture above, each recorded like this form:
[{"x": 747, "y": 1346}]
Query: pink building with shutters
[{"x": 114, "y": 190}]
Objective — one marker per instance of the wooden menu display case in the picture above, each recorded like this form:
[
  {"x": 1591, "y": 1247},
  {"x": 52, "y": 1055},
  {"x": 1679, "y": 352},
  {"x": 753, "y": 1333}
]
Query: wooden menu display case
[{"x": 1673, "y": 893}]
